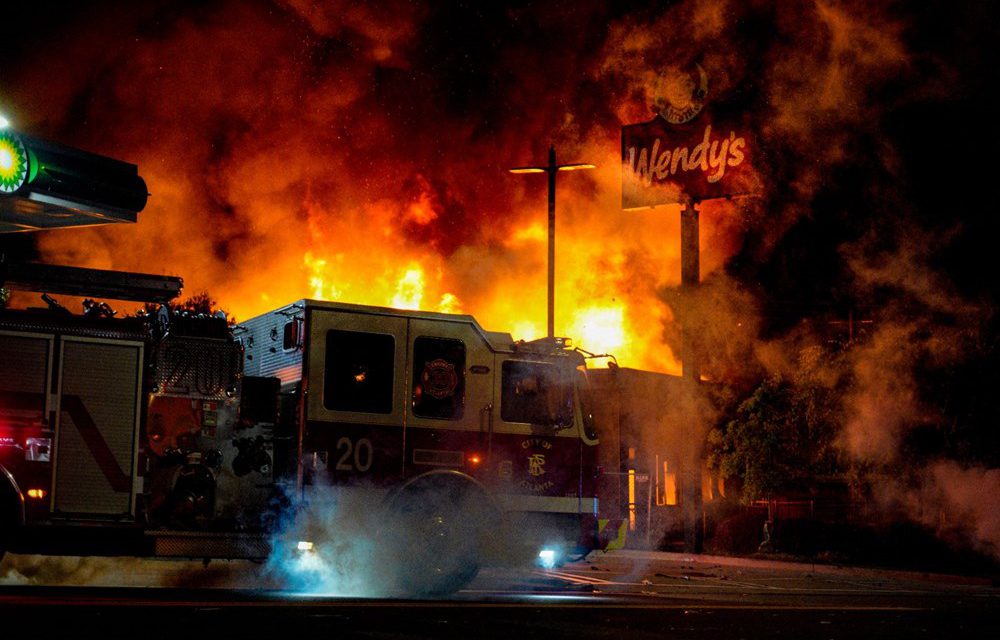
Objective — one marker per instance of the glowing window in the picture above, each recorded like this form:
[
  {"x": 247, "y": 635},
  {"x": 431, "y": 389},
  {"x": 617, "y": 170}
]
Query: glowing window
[{"x": 359, "y": 371}]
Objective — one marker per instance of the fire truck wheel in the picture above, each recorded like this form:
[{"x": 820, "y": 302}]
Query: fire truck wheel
[
  {"x": 8, "y": 521},
  {"x": 11, "y": 510},
  {"x": 437, "y": 530},
  {"x": 439, "y": 556}
]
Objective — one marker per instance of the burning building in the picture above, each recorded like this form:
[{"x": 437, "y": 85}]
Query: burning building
[{"x": 653, "y": 482}]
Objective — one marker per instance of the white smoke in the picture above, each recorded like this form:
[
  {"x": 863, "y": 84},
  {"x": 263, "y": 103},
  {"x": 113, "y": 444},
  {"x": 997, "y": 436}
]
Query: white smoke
[{"x": 340, "y": 554}]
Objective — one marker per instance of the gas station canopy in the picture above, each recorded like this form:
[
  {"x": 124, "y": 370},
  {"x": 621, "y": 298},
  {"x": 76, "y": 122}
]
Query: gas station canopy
[{"x": 44, "y": 185}]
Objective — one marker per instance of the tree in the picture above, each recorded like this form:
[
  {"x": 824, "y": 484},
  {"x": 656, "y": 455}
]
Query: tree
[
  {"x": 198, "y": 304},
  {"x": 782, "y": 436}
]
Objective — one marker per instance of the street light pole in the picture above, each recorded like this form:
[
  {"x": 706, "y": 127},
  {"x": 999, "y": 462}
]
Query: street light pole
[
  {"x": 551, "y": 168},
  {"x": 552, "y": 242}
]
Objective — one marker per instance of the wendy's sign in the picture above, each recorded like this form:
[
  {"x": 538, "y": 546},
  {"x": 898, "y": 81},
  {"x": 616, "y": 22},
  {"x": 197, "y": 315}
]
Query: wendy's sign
[{"x": 689, "y": 151}]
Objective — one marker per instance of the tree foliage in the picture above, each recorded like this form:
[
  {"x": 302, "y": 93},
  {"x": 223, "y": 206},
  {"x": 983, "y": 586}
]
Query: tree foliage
[
  {"x": 781, "y": 437},
  {"x": 198, "y": 304}
]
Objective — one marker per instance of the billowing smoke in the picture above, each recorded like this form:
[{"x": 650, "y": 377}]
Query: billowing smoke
[
  {"x": 953, "y": 500},
  {"x": 427, "y": 538},
  {"x": 911, "y": 412},
  {"x": 839, "y": 91},
  {"x": 329, "y": 544}
]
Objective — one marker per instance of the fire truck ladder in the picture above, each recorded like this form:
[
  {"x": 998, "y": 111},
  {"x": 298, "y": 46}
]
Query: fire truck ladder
[{"x": 98, "y": 283}]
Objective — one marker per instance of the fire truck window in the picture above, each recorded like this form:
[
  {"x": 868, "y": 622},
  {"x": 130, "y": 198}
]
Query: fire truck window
[
  {"x": 359, "y": 371},
  {"x": 534, "y": 392},
  {"x": 438, "y": 378},
  {"x": 290, "y": 339}
]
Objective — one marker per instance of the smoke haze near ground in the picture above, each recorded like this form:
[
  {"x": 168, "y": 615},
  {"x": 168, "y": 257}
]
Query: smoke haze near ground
[{"x": 345, "y": 557}]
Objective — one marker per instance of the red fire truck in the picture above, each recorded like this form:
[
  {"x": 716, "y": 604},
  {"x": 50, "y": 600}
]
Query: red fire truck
[{"x": 173, "y": 434}]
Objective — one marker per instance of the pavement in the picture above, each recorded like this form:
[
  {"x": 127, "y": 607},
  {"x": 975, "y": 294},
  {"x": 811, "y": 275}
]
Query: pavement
[
  {"x": 620, "y": 594},
  {"x": 798, "y": 565}
]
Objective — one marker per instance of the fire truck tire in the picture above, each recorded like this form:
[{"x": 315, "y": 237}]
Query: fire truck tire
[
  {"x": 439, "y": 522},
  {"x": 11, "y": 510}
]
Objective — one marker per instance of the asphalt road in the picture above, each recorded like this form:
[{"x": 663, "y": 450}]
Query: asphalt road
[{"x": 617, "y": 595}]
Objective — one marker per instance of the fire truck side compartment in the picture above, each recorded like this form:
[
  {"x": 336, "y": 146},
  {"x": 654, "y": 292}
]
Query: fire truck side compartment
[{"x": 97, "y": 429}]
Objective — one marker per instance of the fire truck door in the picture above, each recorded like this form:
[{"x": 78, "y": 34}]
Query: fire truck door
[
  {"x": 25, "y": 362},
  {"x": 97, "y": 427},
  {"x": 450, "y": 383},
  {"x": 355, "y": 394}
]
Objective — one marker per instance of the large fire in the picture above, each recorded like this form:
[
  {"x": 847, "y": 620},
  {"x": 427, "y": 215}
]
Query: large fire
[
  {"x": 357, "y": 175},
  {"x": 595, "y": 307}
]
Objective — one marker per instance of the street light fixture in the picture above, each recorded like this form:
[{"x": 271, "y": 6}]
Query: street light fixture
[{"x": 552, "y": 168}]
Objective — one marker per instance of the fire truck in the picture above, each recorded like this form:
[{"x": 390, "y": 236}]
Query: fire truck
[{"x": 172, "y": 434}]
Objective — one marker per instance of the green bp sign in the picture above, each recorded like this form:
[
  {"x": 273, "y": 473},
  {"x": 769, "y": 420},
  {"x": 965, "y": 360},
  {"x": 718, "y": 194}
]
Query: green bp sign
[{"x": 15, "y": 163}]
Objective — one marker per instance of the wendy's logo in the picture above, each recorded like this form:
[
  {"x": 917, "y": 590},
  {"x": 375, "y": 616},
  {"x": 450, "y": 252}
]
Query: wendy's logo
[{"x": 680, "y": 94}]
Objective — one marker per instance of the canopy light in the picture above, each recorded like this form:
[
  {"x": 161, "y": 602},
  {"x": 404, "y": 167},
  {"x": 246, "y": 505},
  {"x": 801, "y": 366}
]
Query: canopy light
[
  {"x": 527, "y": 170},
  {"x": 44, "y": 185},
  {"x": 15, "y": 163}
]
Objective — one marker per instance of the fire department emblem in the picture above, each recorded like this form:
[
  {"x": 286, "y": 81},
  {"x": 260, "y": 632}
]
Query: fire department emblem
[
  {"x": 536, "y": 464},
  {"x": 439, "y": 378},
  {"x": 680, "y": 94}
]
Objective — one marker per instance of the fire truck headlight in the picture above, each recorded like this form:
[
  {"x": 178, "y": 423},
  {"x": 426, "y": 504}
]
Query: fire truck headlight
[{"x": 548, "y": 557}]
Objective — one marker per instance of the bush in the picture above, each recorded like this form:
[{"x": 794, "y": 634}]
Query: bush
[{"x": 738, "y": 534}]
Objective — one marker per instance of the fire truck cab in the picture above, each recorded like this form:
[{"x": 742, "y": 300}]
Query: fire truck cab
[{"x": 415, "y": 402}]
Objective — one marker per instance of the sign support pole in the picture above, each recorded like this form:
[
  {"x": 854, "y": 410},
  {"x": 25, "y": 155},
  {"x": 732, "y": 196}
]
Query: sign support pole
[
  {"x": 686, "y": 156},
  {"x": 553, "y": 167},
  {"x": 691, "y": 372}
]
